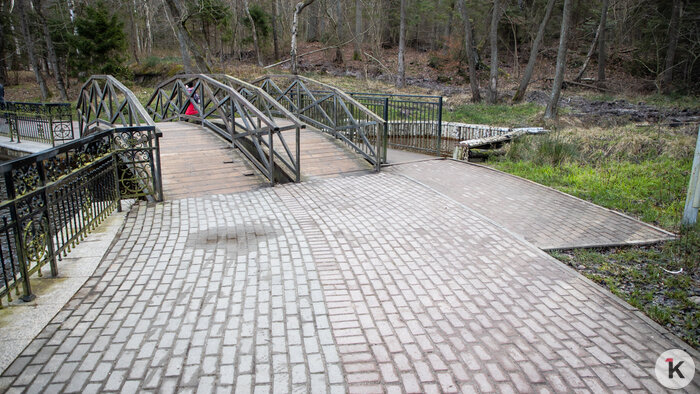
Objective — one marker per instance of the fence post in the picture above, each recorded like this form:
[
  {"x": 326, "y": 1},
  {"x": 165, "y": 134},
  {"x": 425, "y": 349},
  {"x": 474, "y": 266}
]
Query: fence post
[
  {"x": 14, "y": 216},
  {"x": 385, "y": 137},
  {"x": 692, "y": 199},
  {"x": 47, "y": 214},
  {"x": 439, "y": 125}
]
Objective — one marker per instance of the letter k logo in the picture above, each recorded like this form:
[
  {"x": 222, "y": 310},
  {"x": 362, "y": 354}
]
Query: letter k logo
[{"x": 672, "y": 369}]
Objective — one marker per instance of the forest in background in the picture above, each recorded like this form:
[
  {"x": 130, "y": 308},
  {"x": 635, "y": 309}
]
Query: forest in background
[{"x": 613, "y": 45}]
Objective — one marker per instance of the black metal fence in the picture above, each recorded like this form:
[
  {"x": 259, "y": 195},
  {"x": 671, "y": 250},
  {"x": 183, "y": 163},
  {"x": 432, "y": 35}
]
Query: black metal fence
[
  {"x": 48, "y": 123},
  {"x": 413, "y": 122},
  {"x": 52, "y": 199}
]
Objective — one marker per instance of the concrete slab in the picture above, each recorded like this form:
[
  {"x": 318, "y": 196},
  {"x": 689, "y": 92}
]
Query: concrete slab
[
  {"x": 546, "y": 217},
  {"x": 372, "y": 283}
]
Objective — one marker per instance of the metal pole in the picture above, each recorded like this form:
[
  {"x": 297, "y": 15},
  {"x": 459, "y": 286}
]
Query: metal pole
[
  {"x": 385, "y": 137},
  {"x": 439, "y": 126},
  {"x": 692, "y": 199},
  {"x": 298, "y": 149}
]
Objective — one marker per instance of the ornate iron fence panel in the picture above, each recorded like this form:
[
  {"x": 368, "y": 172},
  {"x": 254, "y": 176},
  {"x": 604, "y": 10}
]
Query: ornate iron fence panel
[
  {"x": 105, "y": 103},
  {"x": 330, "y": 110},
  {"x": 49, "y": 123},
  {"x": 225, "y": 110},
  {"x": 414, "y": 122},
  {"x": 52, "y": 199}
]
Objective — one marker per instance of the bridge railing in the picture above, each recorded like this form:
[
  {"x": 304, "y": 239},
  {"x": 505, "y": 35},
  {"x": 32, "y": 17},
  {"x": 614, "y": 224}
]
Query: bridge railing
[
  {"x": 224, "y": 107},
  {"x": 330, "y": 110},
  {"x": 414, "y": 122},
  {"x": 105, "y": 103},
  {"x": 50, "y": 200},
  {"x": 49, "y": 123}
]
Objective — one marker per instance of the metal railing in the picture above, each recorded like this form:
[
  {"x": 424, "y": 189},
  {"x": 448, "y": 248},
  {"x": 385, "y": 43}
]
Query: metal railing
[
  {"x": 105, "y": 103},
  {"x": 223, "y": 105},
  {"x": 414, "y": 122},
  {"x": 48, "y": 123},
  {"x": 330, "y": 110},
  {"x": 50, "y": 200}
]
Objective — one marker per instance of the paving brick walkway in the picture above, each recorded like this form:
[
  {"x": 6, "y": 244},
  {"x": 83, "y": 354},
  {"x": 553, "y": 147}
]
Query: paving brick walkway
[
  {"x": 547, "y": 218},
  {"x": 363, "y": 284}
]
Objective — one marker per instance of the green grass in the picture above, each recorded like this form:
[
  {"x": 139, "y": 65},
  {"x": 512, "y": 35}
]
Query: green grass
[
  {"x": 642, "y": 172},
  {"x": 525, "y": 114}
]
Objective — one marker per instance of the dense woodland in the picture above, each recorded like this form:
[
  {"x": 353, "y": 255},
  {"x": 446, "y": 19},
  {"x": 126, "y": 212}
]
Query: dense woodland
[{"x": 656, "y": 42}]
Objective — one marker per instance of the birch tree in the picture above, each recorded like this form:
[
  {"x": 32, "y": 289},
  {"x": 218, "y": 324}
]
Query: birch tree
[
  {"x": 667, "y": 73},
  {"x": 295, "y": 27}
]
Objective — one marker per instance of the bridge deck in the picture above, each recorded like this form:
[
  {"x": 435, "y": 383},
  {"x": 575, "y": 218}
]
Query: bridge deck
[
  {"x": 195, "y": 163},
  {"x": 324, "y": 157}
]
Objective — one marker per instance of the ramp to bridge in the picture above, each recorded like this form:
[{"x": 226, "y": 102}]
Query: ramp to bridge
[{"x": 195, "y": 162}]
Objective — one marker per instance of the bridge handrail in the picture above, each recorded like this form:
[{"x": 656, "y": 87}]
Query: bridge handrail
[
  {"x": 41, "y": 122},
  {"x": 51, "y": 199},
  {"x": 240, "y": 84},
  {"x": 245, "y": 125},
  {"x": 330, "y": 110},
  {"x": 91, "y": 103},
  {"x": 335, "y": 90}
]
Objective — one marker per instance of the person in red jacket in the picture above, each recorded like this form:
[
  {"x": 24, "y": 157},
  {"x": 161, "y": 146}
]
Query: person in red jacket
[{"x": 191, "y": 110}]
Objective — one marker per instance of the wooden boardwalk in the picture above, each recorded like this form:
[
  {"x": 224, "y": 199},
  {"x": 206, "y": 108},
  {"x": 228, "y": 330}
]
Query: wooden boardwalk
[{"x": 196, "y": 162}]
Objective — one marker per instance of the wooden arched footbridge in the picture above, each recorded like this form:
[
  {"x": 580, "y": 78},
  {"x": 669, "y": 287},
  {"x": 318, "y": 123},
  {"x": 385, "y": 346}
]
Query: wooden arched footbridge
[{"x": 239, "y": 136}]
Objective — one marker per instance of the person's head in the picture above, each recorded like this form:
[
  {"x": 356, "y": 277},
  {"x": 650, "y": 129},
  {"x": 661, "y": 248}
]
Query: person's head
[{"x": 189, "y": 84}]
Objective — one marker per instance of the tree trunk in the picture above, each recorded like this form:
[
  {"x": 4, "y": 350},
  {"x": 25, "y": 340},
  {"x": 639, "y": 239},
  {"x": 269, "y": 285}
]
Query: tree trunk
[
  {"x": 520, "y": 93},
  {"x": 602, "y": 56},
  {"x": 275, "y": 29},
  {"x": 184, "y": 39},
  {"x": 295, "y": 25},
  {"x": 313, "y": 24},
  {"x": 135, "y": 47},
  {"x": 3, "y": 66},
  {"x": 493, "y": 78},
  {"x": 338, "y": 32},
  {"x": 667, "y": 73},
  {"x": 255, "y": 33},
  {"x": 551, "y": 110},
  {"x": 29, "y": 45},
  {"x": 149, "y": 31},
  {"x": 600, "y": 32},
  {"x": 51, "y": 52},
  {"x": 172, "y": 13},
  {"x": 357, "y": 55},
  {"x": 468, "y": 34},
  {"x": 401, "y": 80}
]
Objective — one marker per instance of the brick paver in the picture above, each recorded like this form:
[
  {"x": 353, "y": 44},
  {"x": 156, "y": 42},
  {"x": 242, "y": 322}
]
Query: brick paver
[
  {"x": 361, "y": 284},
  {"x": 543, "y": 216}
]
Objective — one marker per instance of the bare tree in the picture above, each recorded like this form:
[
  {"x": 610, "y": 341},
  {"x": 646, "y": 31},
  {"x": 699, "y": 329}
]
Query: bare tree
[
  {"x": 468, "y": 38},
  {"x": 493, "y": 35},
  {"x": 358, "y": 30},
  {"x": 599, "y": 33},
  {"x": 255, "y": 33},
  {"x": 295, "y": 25},
  {"x": 177, "y": 20},
  {"x": 667, "y": 73},
  {"x": 338, "y": 32},
  {"x": 520, "y": 93},
  {"x": 29, "y": 45},
  {"x": 275, "y": 29},
  {"x": 50, "y": 51},
  {"x": 551, "y": 111},
  {"x": 401, "y": 80},
  {"x": 601, "y": 43}
]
